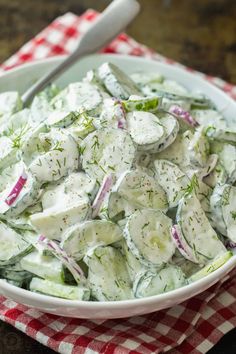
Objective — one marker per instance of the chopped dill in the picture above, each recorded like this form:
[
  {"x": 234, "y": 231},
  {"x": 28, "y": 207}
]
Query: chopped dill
[{"x": 192, "y": 186}]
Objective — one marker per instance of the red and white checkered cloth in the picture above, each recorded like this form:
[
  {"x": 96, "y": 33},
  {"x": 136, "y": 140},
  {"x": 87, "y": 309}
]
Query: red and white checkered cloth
[{"x": 192, "y": 327}]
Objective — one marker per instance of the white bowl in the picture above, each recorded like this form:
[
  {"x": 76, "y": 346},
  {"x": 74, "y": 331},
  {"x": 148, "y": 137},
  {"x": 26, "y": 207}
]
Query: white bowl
[{"x": 20, "y": 79}]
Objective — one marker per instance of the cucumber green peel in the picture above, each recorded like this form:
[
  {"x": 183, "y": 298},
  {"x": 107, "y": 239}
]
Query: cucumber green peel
[{"x": 211, "y": 267}]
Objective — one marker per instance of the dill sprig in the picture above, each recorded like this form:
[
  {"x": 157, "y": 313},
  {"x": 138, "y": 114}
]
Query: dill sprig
[
  {"x": 87, "y": 122},
  {"x": 17, "y": 138},
  {"x": 57, "y": 147},
  {"x": 96, "y": 142},
  {"x": 233, "y": 214},
  {"x": 192, "y": 186}
]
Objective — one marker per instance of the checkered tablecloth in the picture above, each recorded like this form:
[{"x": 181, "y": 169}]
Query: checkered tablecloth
[{"x": 192, "y": 327}]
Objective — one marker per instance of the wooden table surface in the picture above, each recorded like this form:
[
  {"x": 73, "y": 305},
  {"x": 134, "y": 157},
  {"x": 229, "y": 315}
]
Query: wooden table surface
[{"x": 200, "y": 34}]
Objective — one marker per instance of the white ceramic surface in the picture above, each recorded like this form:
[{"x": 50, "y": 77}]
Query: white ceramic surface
[{"x": 20, "y": 79}]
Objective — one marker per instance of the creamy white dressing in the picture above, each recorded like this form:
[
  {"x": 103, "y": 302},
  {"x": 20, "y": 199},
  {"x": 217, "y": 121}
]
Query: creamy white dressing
[
  {"x": 12, "y": 244},
  {"x": 53, "y": 222},
  {"x": 141, "y": 190},
  {"x": 229, "y": 213},
  {"x": 112, "y": 127},
  {"x": 79, "y": 239},
  {"x": 79, "y": 97},
  {"x": 107, "y": 151},
  {"x": 61, "y": 158},
  {"x": 147, "y": 233},
  {"x": 198, "y": 230},
  {"x": 145, "y": 128},
  {"x": 172, "y": 179},
  {"x": 10, "y": 103}
]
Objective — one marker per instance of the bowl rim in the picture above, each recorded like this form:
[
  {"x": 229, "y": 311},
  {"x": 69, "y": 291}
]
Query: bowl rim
[
  {"x": 195, "y": 288},
  {"x": 192, "y": 288}
]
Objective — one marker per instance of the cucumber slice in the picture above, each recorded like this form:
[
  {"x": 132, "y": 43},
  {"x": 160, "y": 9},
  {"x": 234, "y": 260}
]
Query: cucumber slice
[
  {"x": 82, "y": 127},
  {"x": 75, "y": 191},
  {"x": 117, "y": 83},
  {"x": 116, "y": 208},
  {"x": 72, "y": 190},
  {"x": 202, "y": 190},
  {"x": 63, "y": 291},
  {"x": 166, "y": 88},
  {"x": 20, "y": 222},
  {"x": 19, "y": 284},
  {"x": 227, "y": 157},
  {"x": 143, "y": 78},
  {"x": 228, "y": 206},
  {"x": 79, "y": 239},
  {"x": 177, "y": 152},
  {"x": 112, "y": 113},
  {"x": 211, "y": 267},
  {"x": 133, "y": 265},
  {"x": 92, "y": 78},
  {"x": 61, "y": 157},
  {"x": 219, "y": 198},
  {"x": 27, "y": 196},
  {"x": 15, "y": 272},
  {"x": 182, "y": 245},
  {"x": 41, "y": 107},
  {"x": 107, "y": 151},
  {"x": 54, "y": 221},
  {"x": 172, "y": 179},
  {"x": 13, "y": 245},
  {"x": 150, "y": 283},
  {"x": 206, "y": 117},
  {"x": 16, "y": 267},
  {"x": 47, "y": 267},
  {"x": 187, "y": 267},
  {"x": 31, "y": 145},
  {"x": 29, "y": 236},
  {"x": 197, "y": 230},
  {"x": 148, "y": 236},
  {"x": 199, "y": 148},
  {"x": 172, "y": 90},
  {"x": 141, "y": 190},
  {"x": 174, "y": 87},
  {"x": 15, "y": 276},
  {"x": 60, "y": 119},
  {"x": 167, "y": 103},
  {"x": 15, "y": 123},
  {"x": 203, "y": 193},
  {"x": 7, "y": 152},
  {"x": 171, "y": 128},
  {"x": 80, "y": 97},
  {"x": 108, "y": 277},
  {"x": 10, "y": 102},
  {"x": 146, "y": 130},
  {"x": 225, "y": 135},
  {"x": 143, "y": 160},
  {"x": 137, "y": 103},
  {"x": 217, "y": 176}
]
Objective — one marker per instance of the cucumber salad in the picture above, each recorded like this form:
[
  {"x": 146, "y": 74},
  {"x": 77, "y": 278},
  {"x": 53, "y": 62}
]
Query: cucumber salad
[{"x": 115, "y": 187}]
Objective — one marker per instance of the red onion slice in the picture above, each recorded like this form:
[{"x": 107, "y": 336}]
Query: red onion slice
[
  {"x": 68, "y": 261},
  {"x": 230, "y": 245},
  {"x": 182, "y": 245},
  {"x": 120, "y": 114},
  {"x": 120, "y": 124},
  {"x": 13, "y": 195},
  {"x": 107, "y": 183},
  {"x": 186, "y": 116}
]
